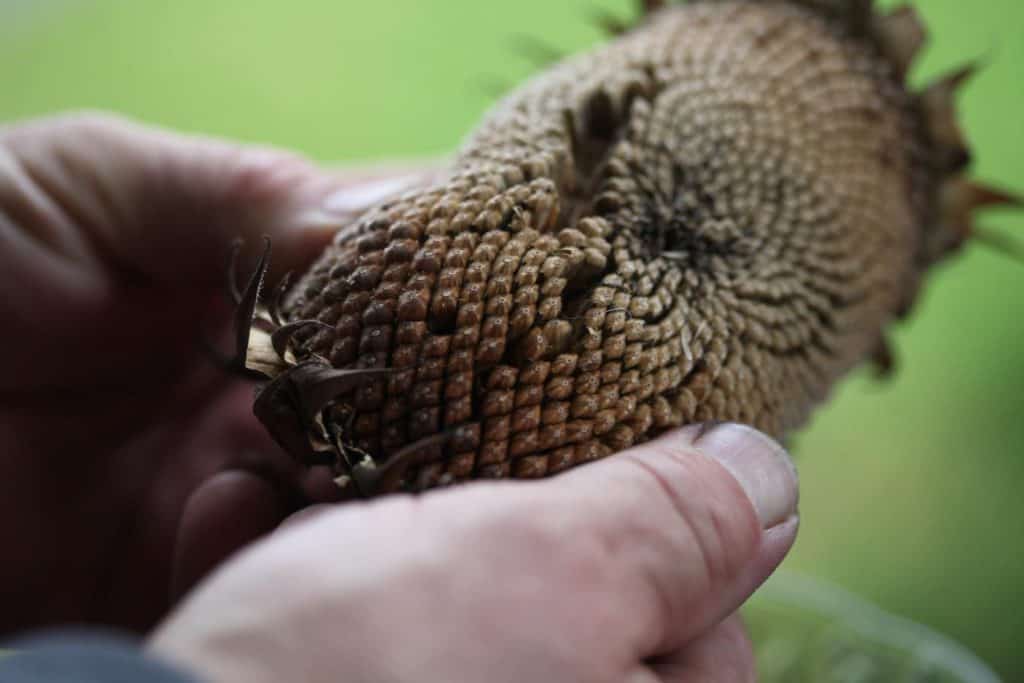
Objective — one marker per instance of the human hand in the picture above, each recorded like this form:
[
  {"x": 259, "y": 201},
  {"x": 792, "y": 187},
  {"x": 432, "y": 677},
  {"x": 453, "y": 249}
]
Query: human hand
[
  {"x": 624, "y": 570},
  {"x": 127, "y": 456}
]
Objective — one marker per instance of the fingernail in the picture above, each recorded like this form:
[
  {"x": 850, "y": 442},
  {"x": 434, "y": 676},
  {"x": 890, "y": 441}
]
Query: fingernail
[
  {"x": 362, "y": 196},
  {"x": 761, "y": 466},
  {"x": 346, "y": 203}
]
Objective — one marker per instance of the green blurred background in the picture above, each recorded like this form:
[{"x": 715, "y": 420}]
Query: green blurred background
[{"x": 911, "y": 487}]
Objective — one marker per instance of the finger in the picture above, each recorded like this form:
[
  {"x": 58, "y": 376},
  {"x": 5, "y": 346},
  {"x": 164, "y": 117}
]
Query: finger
[
  {"x": 722, "y": 655},
  {"x": 166, "y": 205},
  {"x": 227, "y": 512},
  {"x": 362, "y": 190},
  {"x": 318, "y": 485}
]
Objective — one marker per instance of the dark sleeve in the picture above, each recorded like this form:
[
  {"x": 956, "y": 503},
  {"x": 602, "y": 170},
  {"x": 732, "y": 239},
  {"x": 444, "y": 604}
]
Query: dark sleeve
[{"x": 83, "y": 656}]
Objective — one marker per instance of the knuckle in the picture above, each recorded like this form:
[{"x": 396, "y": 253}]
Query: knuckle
[
  {"x": 704, "y": 512},
  {"x": 89, "y": 121},
  {"x": 260, "y": 174},
  {"x": 79, "y": 123}
]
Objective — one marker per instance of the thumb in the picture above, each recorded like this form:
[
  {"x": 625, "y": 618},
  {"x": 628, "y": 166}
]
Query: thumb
[{"x": 698, "y": 519}]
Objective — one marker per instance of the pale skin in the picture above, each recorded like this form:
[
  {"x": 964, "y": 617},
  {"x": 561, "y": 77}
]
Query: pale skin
[{"x": 132, "y": 467}]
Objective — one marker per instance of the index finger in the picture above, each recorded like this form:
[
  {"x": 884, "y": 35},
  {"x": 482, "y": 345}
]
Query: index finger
[{"x": 166, "y": 205}]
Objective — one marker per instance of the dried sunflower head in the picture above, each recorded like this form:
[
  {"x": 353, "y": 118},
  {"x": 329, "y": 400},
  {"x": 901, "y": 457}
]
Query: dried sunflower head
[{"x": 714, "y": 217}]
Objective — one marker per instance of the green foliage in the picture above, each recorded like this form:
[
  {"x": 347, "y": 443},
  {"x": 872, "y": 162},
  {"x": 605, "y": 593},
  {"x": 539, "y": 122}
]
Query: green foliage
[
  {"x": 910, "y": 487},
  {"x": 807, "y": 630}
]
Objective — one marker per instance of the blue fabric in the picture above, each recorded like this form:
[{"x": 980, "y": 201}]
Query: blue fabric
[{"x": 83, "y": 656}]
